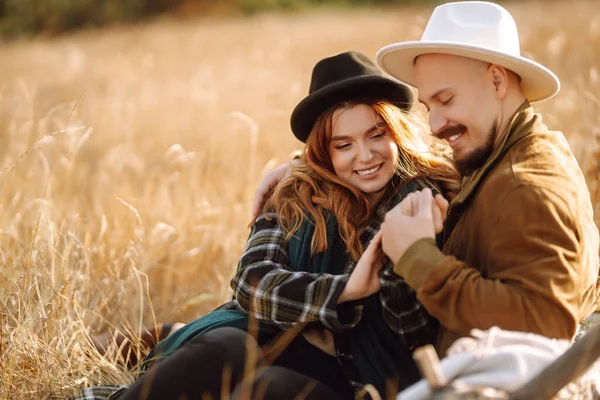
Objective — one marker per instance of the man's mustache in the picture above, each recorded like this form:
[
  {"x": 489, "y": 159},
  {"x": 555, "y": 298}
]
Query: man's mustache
[{"x": 451, "y": 131}]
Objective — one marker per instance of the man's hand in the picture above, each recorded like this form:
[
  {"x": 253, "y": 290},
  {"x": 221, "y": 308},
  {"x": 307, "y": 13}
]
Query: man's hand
[
  {"x": 364, "y": 280},
  {"x": 418, "y": 216},
  {"x": 440, "y": 212},
  {"x": 269, "y": 182}
]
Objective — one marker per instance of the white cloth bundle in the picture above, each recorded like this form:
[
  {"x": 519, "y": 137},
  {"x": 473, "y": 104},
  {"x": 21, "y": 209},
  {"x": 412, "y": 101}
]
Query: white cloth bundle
[{"x": 494, "y": 358}]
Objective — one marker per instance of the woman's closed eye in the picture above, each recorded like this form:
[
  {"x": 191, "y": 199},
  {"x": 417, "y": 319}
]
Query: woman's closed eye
[
  {"x": 378, "y": 135},
  {"x": 342, "y": 146}
]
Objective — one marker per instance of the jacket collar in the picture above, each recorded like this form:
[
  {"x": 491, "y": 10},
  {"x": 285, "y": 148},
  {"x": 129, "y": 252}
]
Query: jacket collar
[{"x": 523, "y": 122}]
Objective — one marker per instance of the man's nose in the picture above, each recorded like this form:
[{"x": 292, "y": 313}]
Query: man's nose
[{"x": 437, "y": 122}]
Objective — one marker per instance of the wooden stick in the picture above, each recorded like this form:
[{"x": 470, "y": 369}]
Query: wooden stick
[{"x": 429, "y": 364}]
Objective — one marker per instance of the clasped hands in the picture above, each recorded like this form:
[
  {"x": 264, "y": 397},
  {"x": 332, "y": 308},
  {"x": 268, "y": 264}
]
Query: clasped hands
[{"x": 419, "y": 215}]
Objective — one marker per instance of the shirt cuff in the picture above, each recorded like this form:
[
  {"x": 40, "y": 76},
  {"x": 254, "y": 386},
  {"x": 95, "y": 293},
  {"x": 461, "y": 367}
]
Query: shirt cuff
[
  {"x": 417, "y": 261},
  {"x": 341, "y": 316}
]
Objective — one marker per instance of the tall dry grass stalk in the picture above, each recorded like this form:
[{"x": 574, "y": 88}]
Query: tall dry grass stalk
[{"x": 129, "y": 158}]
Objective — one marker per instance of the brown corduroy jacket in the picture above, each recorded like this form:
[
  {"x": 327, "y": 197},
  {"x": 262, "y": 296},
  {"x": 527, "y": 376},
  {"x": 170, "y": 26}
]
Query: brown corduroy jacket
[{"x": 521, "y": 245}]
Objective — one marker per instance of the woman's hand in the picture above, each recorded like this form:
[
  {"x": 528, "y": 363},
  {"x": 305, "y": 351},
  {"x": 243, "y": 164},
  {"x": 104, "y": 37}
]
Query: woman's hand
[
  {"x": 418, "y": 216},
  {"x": 364, "y": 280},
  {"x": 408, "y": 207}
]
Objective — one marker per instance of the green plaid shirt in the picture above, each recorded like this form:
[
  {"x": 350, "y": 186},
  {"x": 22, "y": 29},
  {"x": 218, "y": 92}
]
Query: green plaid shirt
[{"x": 267, "y": 288}]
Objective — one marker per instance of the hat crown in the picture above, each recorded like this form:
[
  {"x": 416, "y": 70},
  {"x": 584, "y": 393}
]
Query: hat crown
[
  {"x": 474, "y": 23},
  {"x": 351, "y": 64},
  {"x": 349, "y": 76},
  {"x": 473, "y": 29}
]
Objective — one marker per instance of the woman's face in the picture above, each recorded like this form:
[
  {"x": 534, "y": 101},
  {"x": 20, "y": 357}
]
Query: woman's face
[{"x": 362, "y": 151}]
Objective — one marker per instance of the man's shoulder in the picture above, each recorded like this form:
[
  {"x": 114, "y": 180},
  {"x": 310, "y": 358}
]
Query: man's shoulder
[
  {"x": 541, "y": 162},
  {"x": 538, "y": 169}
]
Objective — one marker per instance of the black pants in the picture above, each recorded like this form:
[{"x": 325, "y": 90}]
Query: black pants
[{"x": 212, "y": 366}]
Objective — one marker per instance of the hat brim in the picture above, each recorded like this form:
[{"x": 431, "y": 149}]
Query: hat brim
[
  {"x": 308, "y": 110},
  {"x": 537, "y": 81}
]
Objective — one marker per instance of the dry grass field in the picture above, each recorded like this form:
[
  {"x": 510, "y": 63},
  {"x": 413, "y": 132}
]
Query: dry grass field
[{"x": 129, "y": 157}]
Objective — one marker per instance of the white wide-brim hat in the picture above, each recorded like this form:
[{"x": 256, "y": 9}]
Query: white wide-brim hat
[{"x": 474, "y": 29}]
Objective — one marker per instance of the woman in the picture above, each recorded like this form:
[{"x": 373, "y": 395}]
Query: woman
[{"x": 304, "y": 269}]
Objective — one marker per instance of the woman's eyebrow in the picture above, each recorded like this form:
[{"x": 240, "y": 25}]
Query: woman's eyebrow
[
  {"x": 376, "y": 127},
  {"x": 372, "y": 129}
]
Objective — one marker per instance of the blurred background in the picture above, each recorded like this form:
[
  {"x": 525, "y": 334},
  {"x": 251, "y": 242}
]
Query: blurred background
[
  {"x": 32, "y": 17},
  {"x": 133, "y": 134}
]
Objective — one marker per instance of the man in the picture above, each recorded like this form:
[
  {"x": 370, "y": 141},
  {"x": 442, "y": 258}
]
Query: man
[{"x": 520, "y": 248}]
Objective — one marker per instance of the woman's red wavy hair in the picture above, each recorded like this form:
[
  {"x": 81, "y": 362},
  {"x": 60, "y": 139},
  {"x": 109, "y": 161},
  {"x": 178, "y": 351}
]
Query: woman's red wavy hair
[{"x": 314, "y": 188}]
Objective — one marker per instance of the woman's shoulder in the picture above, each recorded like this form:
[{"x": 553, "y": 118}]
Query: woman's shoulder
[{"x": 267, "y": 223}]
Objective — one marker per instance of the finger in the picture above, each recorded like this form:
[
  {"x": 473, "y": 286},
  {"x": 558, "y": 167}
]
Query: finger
[
  {"x": 269, "y": 182},
  {"x": 287, "y": 172},
  {"x": 406, "y": 206},
  {"x": 396, "y": 210},
  {"x": 257, "y": 203},
  {"x": 414, "y": 199},
  {"x": 260, "y": 196},
  {"x": 382, "y": 229},
  {"x": 443, "y": 205},
  {"x": 439, "y": 209},
  {"x": 375, "y": 242},
  {"x": 425, "y": 203},
  {"x": 438, "y": 221}
]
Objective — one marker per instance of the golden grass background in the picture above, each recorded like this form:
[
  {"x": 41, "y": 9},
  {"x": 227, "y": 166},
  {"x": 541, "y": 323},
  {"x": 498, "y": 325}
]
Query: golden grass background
[{"x": 130, "y": 157}]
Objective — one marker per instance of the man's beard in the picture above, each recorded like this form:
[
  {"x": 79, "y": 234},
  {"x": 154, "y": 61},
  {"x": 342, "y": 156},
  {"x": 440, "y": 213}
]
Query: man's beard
[{"x": 476, "y": 158}]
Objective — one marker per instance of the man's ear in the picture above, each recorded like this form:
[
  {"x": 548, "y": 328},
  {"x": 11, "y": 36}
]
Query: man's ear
[{"x": 498, "y": 76}]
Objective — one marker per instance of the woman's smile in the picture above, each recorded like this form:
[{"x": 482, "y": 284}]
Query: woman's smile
[
  {"x": 369, "y": 173},
  {"x": 362, "y": 151}
]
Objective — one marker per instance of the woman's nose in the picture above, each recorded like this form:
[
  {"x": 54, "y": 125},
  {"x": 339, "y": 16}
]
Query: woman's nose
[{"x": 365, "y": 154}]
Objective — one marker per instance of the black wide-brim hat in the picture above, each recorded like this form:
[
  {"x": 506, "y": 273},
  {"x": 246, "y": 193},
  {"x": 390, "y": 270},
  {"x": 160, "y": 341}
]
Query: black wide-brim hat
[{"x": 345, "y": 77}]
